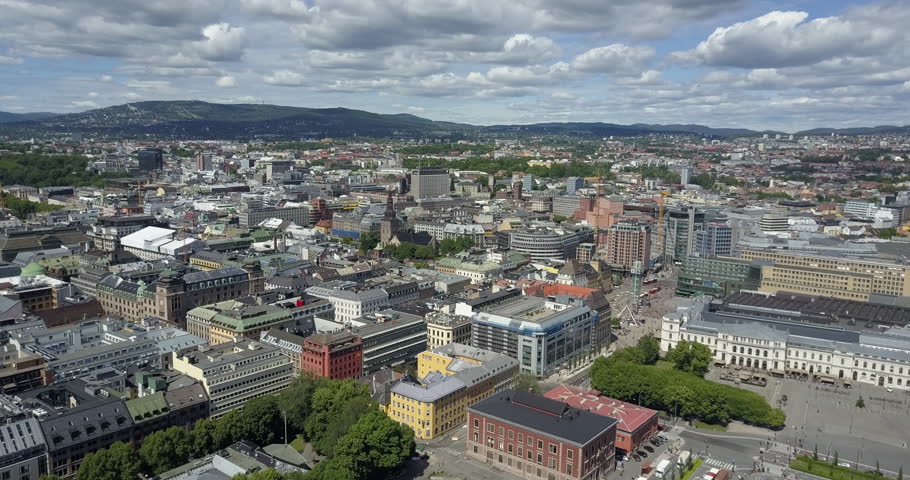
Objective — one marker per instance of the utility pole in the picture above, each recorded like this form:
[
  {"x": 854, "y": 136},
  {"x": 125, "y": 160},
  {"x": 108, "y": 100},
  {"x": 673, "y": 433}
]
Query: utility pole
[{"x": 284, "y": 413}]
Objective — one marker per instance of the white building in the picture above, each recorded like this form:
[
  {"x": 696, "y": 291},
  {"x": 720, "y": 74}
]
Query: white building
[
  {"x": 155, "y": 243},
  {"x": 350, "y": 304},
  {"x": 235, "y": 372},
  {"x": 826, "y": 352}
]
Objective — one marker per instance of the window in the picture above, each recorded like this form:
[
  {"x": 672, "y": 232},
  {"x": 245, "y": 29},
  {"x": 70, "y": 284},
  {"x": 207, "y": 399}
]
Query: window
[
  {"x": 491, "y": 428},
  {"x": 553, "y": 448},
  {"x": 540, "y": 444},
  {"x": 540, "y": 458},
  {"x": 502, "y": 431},
  {"x": 530, "y": 441},
  {"x": 476, "y": 423},
  {"x": 521, "y": 438},
  {"x": 569, "y": 453},
  {"x": 511, "y": 434},
  {"x": 568, "y": 468}
]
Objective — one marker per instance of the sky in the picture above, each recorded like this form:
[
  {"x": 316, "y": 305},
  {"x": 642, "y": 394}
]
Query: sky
[{"x": 784, "y": 65}]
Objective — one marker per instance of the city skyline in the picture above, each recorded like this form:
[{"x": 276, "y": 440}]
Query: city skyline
[{"x": 762, "y": 65}]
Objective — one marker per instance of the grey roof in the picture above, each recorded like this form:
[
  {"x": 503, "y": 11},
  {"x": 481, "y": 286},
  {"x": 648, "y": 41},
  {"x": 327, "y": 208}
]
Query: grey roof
[
  {"x": 213, "y": 274},
  {"x": 430, "y": 392},
  {"x": 19, "y": 436},
  {"x": 99, "y": 418},
  {"x": 543, "y": 415}
]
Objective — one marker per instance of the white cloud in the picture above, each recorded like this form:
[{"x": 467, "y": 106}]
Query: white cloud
[
  {"x": 284, "y": 78},
  {"x": 222, "y": 42},
  {"x": 616, "y": 59},
  {"x": 105, "y": 78},
  {"x": 226, "y": 81},
  {"x": 4, "y": 60},
  {"x": 85, "y": 104},
  {"x": 786, "y": 39}
]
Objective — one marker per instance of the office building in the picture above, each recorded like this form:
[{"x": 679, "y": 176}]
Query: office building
[
  {"x": 235, "y": 372},
  {"x": 106, "y": 232},
  {"x": 444, "y": 328},
  {"x": 527, "y": 182},
  {"x": 204, "y": 162},
  {"x": 716, "y": 239},
  {"x": 449, "y": 379},
  {"x": 151, "y": 159},
  {"x": 774, "y": 223},
  {"x": 682, "y": 225},
  {"x": 252, "y": 217},
  {"x": 173, "y": 294},
  {"x": 540, "y": 243},
  {"x": 573, "y": 184},
  {"x": 541, "y": 202},
  {"x": 635, "y": 425},
  {"x": 332, "y": 355},
  {"x": 848, "y": 278},
  {"x": 156, "y": 243},
  {"x": 686, "y": 175},
  {"x": 75, "y": 421},
  {"x": 627, "y": 243},
  {"x": 531, "y": 436},
  {"x": 159, "y": 408},
  {"x": 24, "y": 450},
  {"x": 244, "y": 318},
  {"x": 541, "y": 333},
  {"x": 585, "y": 253},
  {"x": 430, "y": 182},
  {"x": 348, "y": 301},
  {"x": 15, "y": 241},
  {"x": 717, "y": 276},
  {"x": 393, "y": 338},
  {"x": 566, "y": 205}
]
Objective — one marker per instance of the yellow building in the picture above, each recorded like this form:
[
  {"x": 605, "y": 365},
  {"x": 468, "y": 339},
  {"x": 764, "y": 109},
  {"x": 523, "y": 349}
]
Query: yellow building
[
  {"x": 451, "y": 378},
  {"x": 443, "y": 328},
  {"x": 853, "y": 279}
]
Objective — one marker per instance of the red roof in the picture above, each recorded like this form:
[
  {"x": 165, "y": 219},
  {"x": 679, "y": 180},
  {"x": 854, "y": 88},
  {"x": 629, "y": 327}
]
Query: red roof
[{"x": 629, "y": 415}]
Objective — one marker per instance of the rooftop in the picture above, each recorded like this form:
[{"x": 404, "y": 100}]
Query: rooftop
[
  {"x": 552, "y": 418},
  {"x": 630, "y": 416}
]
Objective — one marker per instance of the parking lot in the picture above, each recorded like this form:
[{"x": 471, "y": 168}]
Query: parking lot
[{"x": 653, "y": 453}]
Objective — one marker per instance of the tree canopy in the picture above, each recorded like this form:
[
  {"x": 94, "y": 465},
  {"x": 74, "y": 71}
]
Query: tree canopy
[
  {"x": 42, "y": 170},
  {"x": 692, "y": 357}
]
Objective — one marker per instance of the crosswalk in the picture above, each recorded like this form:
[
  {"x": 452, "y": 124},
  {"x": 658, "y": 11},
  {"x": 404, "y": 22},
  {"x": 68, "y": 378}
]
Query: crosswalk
[
  {"x": 719, "y": 464},
  {"x": 452, "y": 451}
]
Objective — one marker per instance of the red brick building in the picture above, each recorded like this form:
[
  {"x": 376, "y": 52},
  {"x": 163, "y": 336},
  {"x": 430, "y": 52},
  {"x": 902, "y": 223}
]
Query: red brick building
[
  {"x": 535, "y": 437},
  {"x": 332, "y": 355},
  {"x": 636, "y": 424}
]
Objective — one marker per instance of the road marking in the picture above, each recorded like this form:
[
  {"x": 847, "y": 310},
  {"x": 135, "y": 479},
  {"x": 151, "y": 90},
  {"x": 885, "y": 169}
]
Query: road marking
[
  {"x": 722, "y": 436},
  {"x": 719, "y": 464}
]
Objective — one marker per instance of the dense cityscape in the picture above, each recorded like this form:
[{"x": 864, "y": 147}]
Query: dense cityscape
[
  {"x": 454, "y": 240},
  {"x": 559, "y": 307}
]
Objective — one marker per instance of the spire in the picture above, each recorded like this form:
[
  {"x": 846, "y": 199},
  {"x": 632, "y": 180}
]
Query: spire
[{"x": 389, "y": 209}]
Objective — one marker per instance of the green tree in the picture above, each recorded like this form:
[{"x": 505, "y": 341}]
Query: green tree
[
  {"x": 424, "y": 252},
  {"x": 815, "y": 452},
  {"x": 351, "y": 412},
  {"x": 527, "y": 382},
  {"x": 228, "y": 429},
  {"x": 860, "y": 403},
  {"x": 116, "y": 462},
  {"x": 51, "y": 476},
  {"x": 650, "y": 350},
  {"x": 166, "y": 449},
  {"x": 202, "y": 437},
  {"x": 296, "y": 400},
  {"x": 261, "y": 421},
  {"x": 559, "y": 218},
  {"x": 328, "y": 403},
  {"x": 368, "y": 241},
  {"x": 887, "y": 233},
  {"x": 376, "y": 444},
  {"x": 836, "y": 459},
  {"x": 692, "y": 357},
  {"x": 900, "y": 473}
]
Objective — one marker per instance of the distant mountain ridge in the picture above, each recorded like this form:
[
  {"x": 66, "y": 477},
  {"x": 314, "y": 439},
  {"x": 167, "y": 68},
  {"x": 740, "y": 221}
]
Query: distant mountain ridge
[
  {"x": 196, "y": 119},
  {"x": 9, "y": 117}
]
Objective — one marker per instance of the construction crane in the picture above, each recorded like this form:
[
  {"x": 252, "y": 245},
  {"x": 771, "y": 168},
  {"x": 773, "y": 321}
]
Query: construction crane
[{"x": 660, "y": 222}]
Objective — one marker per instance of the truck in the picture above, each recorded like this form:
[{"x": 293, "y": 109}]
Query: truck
[
  {"x": 662, "y": 468},
  {"x": 684, "y": 458}
]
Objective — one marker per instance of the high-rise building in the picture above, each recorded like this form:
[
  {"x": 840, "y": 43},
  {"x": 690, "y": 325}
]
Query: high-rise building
[
  {"x": 627, "y": 243},
  {"x": 682, "y": 225},
  {"x": 573, "y": 184},
  {"x": 430, "y": 182},
  {"x": 516, "y": 191},
  {"x": 151, "y": 159},
  {"x": 685, "y": 175},
  {"x": 585, "y": 252},
  {"x": 204, "y": 162},
  {"x": 715, "y": 239},
  {"x": 527, "y": 182}
]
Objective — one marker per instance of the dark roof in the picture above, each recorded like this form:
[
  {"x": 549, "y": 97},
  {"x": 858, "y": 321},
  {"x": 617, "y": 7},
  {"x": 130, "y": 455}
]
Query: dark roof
[
  {"x": 822, "y": 310},
  {"x": 549, "y": 417},
  {"x": 213, "y": 274},
  {"x": 419, "y": 238}
]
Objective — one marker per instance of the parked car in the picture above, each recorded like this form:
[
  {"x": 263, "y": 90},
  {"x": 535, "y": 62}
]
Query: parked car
[
  {"x": 649, "y": 448},
  {"x": 643, "y": 453},
  {"x": 636, "y": 457}
]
